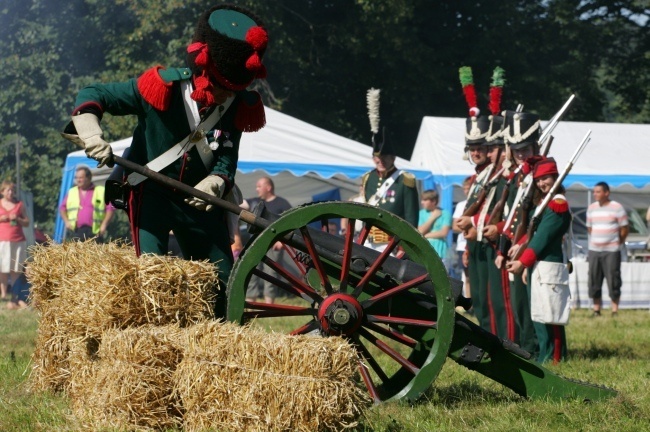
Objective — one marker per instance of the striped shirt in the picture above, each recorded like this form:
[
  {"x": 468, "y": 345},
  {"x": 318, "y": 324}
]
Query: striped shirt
[{"x": 605, "y": 223}]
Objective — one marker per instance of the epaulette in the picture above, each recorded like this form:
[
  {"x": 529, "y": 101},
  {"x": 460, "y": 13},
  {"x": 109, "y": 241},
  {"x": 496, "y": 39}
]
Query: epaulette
[
  {"x": 559, "y": 204},
  {"x": 364, "y": 180},
  {"x": 409, "y": 179},
  {"x": 155, "y": 85}
]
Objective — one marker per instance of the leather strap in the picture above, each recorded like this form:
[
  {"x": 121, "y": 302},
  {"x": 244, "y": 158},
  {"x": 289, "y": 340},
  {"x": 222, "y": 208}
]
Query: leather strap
[
  {"x": 196, "y": 138},
  {"x": 381, "y": 192}
]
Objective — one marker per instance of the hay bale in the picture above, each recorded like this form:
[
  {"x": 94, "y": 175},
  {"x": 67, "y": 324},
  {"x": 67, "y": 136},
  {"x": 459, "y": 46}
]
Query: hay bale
[
  {"x": 128, "y": 382},
  {"x": 82, "y": 289},
  {"x": 244, "y": 379}
]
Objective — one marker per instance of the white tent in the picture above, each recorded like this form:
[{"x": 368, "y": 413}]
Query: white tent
[
  {"x": 306, "y": 163},
  {"x": 617, "y": 154}
]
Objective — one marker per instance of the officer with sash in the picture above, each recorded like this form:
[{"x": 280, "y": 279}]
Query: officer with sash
[
  {"x": 386, "y": 186},
  {"x": 190, "y": 121}
]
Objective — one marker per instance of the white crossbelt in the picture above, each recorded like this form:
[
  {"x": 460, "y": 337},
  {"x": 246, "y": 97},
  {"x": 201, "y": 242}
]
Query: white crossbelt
[
  {"x": 381, "y": 192},
  {"x": 196, "y": 138}
]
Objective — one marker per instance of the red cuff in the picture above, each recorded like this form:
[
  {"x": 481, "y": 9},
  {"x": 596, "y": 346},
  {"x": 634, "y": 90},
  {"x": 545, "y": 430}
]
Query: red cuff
[
  {"x": 528, "y": 258},
  {"x": 500, "y": 226}
]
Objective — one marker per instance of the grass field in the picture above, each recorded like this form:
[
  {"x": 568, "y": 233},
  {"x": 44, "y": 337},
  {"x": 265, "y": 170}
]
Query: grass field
[{"x": 609, "y": 351}]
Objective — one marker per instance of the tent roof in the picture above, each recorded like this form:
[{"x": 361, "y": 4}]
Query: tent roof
[
  {"x": 617, "y": 153},
  {"x": 289, "y": 144}
]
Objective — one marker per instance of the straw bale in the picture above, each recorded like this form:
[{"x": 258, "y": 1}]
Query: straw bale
[
  {"x": 244, "y": 379},
  {"x": 82, "y": 289},
  {"x": 128, "y": 383},
  {"x": 107, "y": 286}
]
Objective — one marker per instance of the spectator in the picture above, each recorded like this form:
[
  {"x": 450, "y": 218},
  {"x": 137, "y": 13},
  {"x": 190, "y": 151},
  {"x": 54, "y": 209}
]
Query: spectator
[
  {"x": 277, "y": 205},
  {"x": 83, "y": 209},
  {"x": 13, "y": 245},
  {"x": 434, "y": 224},
  {"x": 461, "y": 242},
  {"x": 189, "y": 125},
  {"x": 607, "y": 226}
]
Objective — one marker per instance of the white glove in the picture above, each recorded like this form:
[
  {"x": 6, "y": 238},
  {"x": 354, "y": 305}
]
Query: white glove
[
  {"x": 91, "y": 134},
  {"x": 213, "y": 185}
]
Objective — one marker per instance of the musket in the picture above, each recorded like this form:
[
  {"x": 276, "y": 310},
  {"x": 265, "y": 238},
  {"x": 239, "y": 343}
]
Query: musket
[
  {"x": 497, "y": 211},
  {"x": 551, "y": 193},
  {"x": 474, "y": 208},
  {"x": 545, "y": 141},
  {"x": 552, "y": 123}
]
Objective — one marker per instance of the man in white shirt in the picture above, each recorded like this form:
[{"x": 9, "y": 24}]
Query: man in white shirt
[{"x": 607, "y": 225}]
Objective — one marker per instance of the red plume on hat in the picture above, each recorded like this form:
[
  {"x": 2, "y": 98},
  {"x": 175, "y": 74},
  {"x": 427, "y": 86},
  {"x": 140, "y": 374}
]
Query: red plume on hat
[
  {"x": 467, "y": 81},
  {"x": 496, "y": 90}
]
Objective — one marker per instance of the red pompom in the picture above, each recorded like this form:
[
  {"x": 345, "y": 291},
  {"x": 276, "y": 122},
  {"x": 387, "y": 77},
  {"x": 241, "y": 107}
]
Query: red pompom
[
  {"x": 203, "y": 91},
  {"x": 154, "y": 90},
  {"x": 257, "y": 37},
  {"x": 474, "y": 112},
  {"x": 254, "y": 63},
  {"x": 202, "y": 58}
]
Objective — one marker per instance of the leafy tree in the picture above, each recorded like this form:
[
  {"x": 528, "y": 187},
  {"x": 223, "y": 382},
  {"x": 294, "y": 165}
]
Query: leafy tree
[{"x": 322, "y": 57}]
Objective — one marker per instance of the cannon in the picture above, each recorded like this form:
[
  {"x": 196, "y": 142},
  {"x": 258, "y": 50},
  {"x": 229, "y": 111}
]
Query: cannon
[{"x": 398, "y": 313}]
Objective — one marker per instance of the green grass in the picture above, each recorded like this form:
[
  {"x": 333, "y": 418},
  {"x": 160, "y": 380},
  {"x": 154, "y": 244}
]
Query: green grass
[{"x": 606, "y": 351}]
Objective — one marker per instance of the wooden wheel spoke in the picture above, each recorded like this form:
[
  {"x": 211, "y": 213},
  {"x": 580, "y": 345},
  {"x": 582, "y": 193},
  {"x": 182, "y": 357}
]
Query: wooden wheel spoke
[
  {"x": 294, "y": 257},
  {"x": 401, "y": 321},
  {"x": 304, "y": 290},
  {"x": 376, "y": 266},
  {"x": 392, "y": 334},
  {"x": 367, "y": 379},
  {"x": 390, "y": 352},
  {"x": 304, "y": 329},
  {"x": 347, "y": 256},
  {"x": 363, "y": 234},
  {"x": 396, "y": 290},
  {"x": 265, "y": 310},
  {"x": 365, "y": 354},
  {"x": 318, "y": 264}
]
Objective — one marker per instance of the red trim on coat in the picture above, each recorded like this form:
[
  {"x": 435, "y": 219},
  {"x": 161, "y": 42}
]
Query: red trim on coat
[
  {"x": 85, "y": 105},
  {"x": 510, "y": 319},
  {"x": 528, "y": 258},
  {"x": 135, "y": 206},
  {"x": 493, "y": 321},
  {"x": 557, "y": 344}
]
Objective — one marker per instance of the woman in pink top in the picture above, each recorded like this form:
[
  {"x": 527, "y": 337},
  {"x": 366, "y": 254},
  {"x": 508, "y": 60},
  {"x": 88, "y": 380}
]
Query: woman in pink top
[{"x": 12, "y": 239}]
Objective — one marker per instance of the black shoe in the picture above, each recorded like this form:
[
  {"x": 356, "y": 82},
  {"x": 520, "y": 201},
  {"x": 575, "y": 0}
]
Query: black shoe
[{"x": 595, "y": 314}]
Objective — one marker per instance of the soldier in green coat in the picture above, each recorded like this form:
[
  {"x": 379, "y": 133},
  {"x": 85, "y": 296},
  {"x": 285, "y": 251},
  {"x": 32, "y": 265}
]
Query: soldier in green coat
[
  {"x": 546, "y": 246},
  {"x": 475, "y": 140},
  {"x": 386, "y": 186},
  {"x": 523, "y": 145},
  {"x": 189, "y": 124}
]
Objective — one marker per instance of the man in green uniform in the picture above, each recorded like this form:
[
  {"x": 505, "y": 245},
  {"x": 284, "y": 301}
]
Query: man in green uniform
[
  {"x": 475, "y": 139},
  {"x": 387, "y": 187},
  {"x": 521, "y": 133},
  {"x": 190, "y": 122},
  {"x": 502, "y": 322}
]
